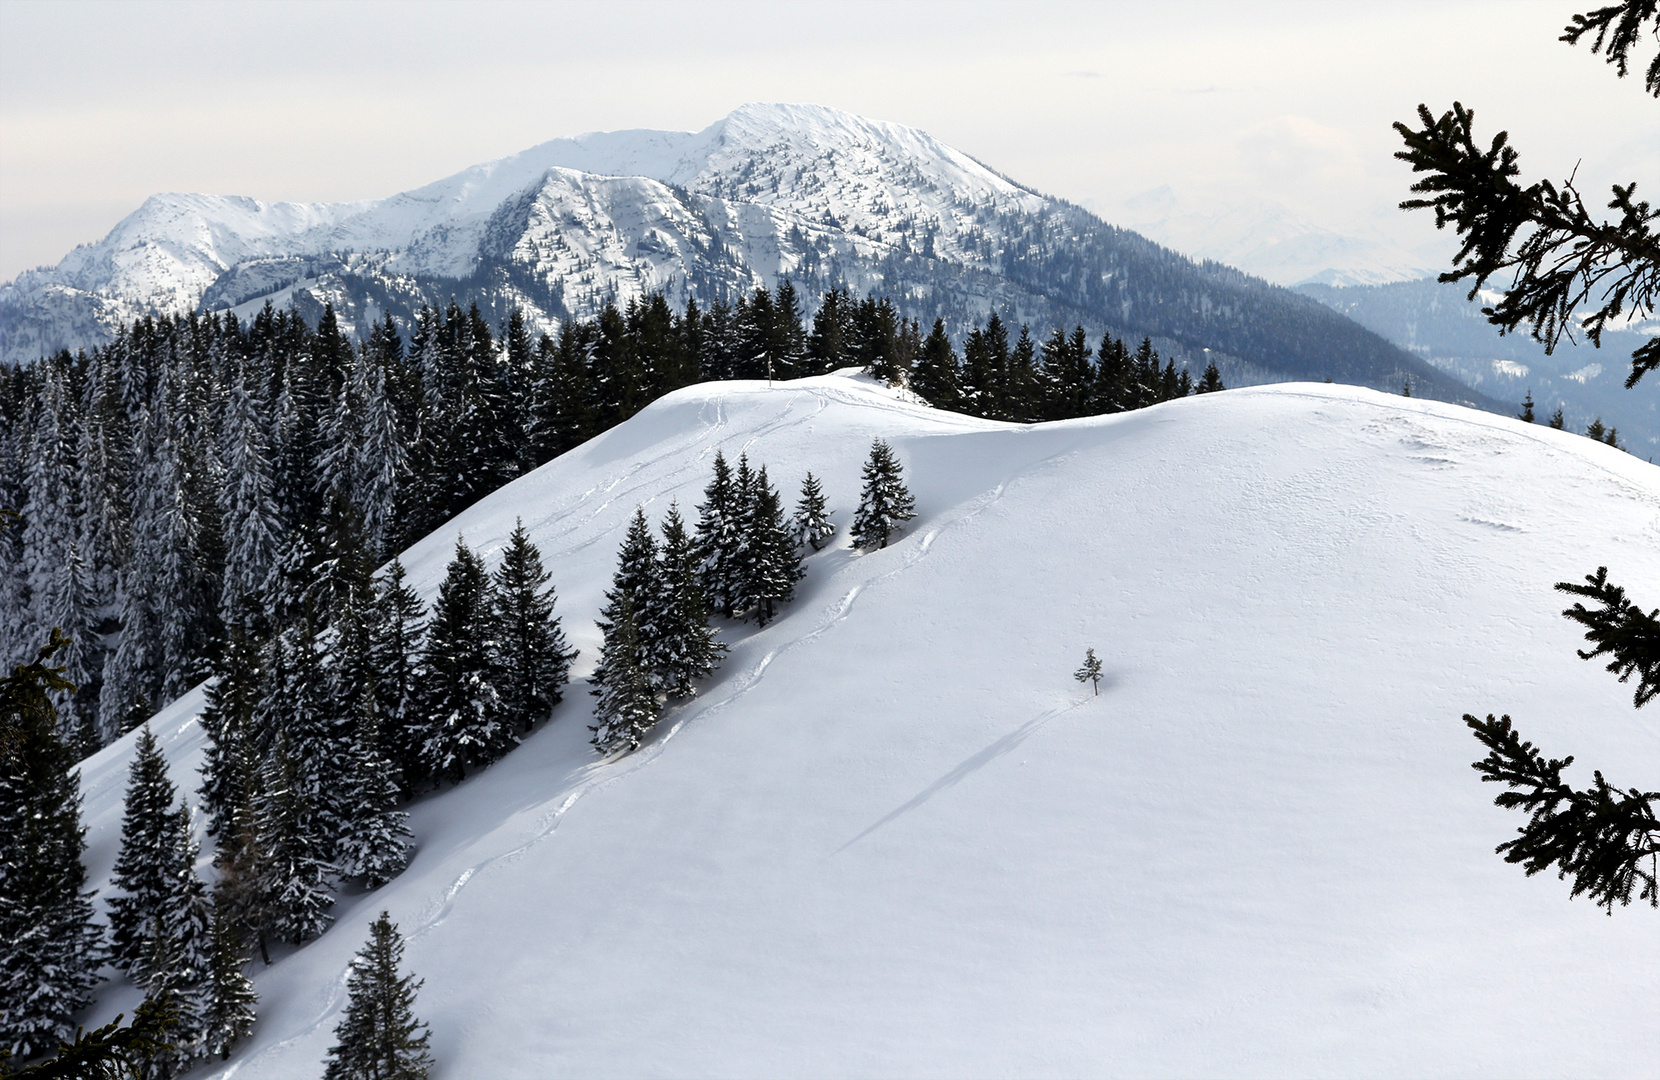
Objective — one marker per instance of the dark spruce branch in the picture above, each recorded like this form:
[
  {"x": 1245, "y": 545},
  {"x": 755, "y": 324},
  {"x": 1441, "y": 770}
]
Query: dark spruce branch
[
  {"x": 1620, "y": 630},
  {"x": 1606, "y": 840},
  {"x": 1558, "y": 255}
]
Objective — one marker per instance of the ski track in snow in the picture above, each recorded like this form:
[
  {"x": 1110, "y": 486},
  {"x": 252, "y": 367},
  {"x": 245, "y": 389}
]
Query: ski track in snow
[
  {"x": 601, "y": 774},
  {"x": 968, "y": 766}
]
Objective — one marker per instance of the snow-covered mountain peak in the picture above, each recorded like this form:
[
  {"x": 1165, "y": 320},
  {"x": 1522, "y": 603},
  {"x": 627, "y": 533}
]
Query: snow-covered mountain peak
[
  {"x": 781, "y": 145},
  {"x": 825, "y": 198},
  {"x": 861, "y": 188}
]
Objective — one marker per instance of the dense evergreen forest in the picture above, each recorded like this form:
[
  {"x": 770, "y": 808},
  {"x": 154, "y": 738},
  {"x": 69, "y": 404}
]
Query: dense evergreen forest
[{"x": 173, "y": 479}]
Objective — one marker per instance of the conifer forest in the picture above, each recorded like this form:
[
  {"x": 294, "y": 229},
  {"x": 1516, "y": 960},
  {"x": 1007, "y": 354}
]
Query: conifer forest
[
  {"x": 207, "y": 499},
  {"x": 200, "y": 487}
]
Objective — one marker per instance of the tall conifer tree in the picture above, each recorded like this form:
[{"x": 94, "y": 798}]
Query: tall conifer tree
[
  {"x": 884, "y": 503},
  {"x": 535, "y": 658},
  {"x": 50, "y": 947},
  {"x": 397, "y": 642},
  {"x": 771, "y": 564},
  {"x": 627, "y": 707},
  {"x": 293, "y": 875},
  {"x": 719, "y": 537},
  {"x": 466, "y": 726},
  {"x": 686, "y": 648},
  {"x": 141, "y": 867},
  {"x": 936, "y": 377},
  {"x": 227, "y": 998},
  {"x": 379, "y": 1038}
]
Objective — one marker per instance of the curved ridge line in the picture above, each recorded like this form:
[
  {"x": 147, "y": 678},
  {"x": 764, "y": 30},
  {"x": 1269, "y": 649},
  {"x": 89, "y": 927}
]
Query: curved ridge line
[{"x": 601, "y": 774}]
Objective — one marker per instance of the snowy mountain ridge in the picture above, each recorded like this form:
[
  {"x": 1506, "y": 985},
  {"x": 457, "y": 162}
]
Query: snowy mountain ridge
[
  {"x": 823, "y": 197},
  {"x": 804, "y": 164},
  {"x": 893, "y": 836}
]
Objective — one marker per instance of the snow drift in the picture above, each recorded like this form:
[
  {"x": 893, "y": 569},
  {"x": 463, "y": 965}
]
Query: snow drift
[{"x": 895, "y": 837}]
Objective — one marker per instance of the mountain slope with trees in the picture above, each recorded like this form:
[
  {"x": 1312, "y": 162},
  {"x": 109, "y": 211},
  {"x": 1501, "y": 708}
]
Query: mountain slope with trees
[
  {"x": 825, "y": 198},
  {"x": 894, "y": 810}
]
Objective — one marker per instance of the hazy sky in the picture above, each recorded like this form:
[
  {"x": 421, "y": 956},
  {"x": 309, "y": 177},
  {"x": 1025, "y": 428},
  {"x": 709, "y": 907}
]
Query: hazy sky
[{"x": 102, "y": 104}]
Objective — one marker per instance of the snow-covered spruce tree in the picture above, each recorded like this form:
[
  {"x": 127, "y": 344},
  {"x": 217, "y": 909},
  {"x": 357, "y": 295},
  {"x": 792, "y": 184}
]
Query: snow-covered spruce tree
[
  {"x": 382, "y": 458},
  {"x": 48, "y": 477},
  {"x": 884, "y": 503},
  {"x": 300, "y": 701},
  {"x": 374, "y": 846},
  {"x": 166, "y": 982},
  {"x": 226, "y": 999},
  {"x": 292, "y": 877},
  {"x": 397, "y": 641},
  {"x": 130, "y": 682},
  {"x": 14, "y": 621},
  {"x": 82, "y": 658},
  {"x": 637, "y": 580},
  {"x": 232, "y": 696},
  {"x": 771, "y": 560},
  {"x": 936, "y": 376},
  {"x": 627, "y": 707},
  {"x": 337, "y": 459},
  {"x": 103, "y": 525},
  {"x": 371, "y": 838},
  {"x": 339, "y": 573},
  {"x": 719, "y": 536},
  {"x": 183, "y": 912},
  {"x": 147, "y": 832},
  {"x": 535, "y": 657},
  {"x": 239, "y": 856},
  {"x": 685, "y": 647},
  {"x": 50, "y": 947},
  {"x": 252, "y": 525},
  {"x": 460, "y": 690},
  {"x": 180, "y": 573},
  {"x": 811, "y": 522},
  {"x": 380, "y": 1038},
  {"x": 632, "y": 621}
]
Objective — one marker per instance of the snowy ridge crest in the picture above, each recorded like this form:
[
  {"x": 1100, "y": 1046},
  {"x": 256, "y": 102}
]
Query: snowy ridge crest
[
  {"x": 892, "y": 811},
  {"x": 763, "y": 171}
]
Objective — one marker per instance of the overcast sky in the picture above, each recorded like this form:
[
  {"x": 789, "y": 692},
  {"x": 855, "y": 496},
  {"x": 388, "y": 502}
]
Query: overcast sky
[{"x": 102, "y": 104}]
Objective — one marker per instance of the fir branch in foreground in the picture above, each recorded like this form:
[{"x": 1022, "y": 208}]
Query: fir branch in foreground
[
  {"x": 112, "y": 1052},
  {"x": 1605, "y": 839},
  {"x": 1618, "y": 26},
  {"x": 1619, "y": 629},
  {"x": 1560, "y": 257}
]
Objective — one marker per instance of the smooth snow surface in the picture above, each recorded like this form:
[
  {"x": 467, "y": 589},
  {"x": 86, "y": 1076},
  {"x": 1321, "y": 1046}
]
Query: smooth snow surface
[{"x": 894, "y": 837}]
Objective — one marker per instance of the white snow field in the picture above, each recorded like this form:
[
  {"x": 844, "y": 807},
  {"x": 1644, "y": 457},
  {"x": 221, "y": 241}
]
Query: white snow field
[{"x": 895, "y": 837}]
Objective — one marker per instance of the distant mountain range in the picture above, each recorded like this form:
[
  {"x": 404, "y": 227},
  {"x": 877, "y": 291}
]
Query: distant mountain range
[
  {"x": 823, "y": 197},
  {"x": 1439, "y": 323},
  {"x": 1271, "y": 241}
]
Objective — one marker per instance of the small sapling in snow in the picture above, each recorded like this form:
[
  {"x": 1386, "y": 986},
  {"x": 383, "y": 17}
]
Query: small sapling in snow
[{"x": 1091, "y": 671}]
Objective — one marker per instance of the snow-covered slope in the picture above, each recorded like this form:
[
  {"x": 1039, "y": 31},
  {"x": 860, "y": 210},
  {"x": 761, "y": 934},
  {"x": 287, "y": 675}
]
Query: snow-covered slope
[
  {"x": 895, "y": 837},
  {"x": 1443, "y": 325}
]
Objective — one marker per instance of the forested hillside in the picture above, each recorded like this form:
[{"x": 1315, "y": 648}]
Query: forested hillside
[{"x": 200, "y": 466}]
